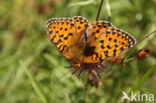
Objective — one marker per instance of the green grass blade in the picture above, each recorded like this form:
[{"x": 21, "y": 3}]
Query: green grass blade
[
  {"x": 108, "y": 8},
  {"x": 35, "y": 84},
  {"x": 142, "y": 80},
  {"x": 51, "y": 59}
]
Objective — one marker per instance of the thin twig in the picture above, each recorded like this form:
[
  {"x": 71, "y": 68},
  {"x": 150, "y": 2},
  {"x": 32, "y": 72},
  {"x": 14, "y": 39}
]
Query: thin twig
[
  {"x": 99, "y": 10},
  {"x": 130, "y": 59}
]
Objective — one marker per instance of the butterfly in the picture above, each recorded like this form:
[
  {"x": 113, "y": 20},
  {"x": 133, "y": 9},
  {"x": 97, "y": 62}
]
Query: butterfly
[
  {"x": 87, "y": 44},
  {"x": 83, "y": 42}
]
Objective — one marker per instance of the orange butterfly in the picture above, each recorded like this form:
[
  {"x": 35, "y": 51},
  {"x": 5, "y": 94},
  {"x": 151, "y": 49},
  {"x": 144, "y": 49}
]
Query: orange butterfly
[{"x": 86, "y": 43}]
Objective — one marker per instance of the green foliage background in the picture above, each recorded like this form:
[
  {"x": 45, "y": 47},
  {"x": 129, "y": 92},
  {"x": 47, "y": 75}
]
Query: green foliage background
[{"x": 29, "y": 64}]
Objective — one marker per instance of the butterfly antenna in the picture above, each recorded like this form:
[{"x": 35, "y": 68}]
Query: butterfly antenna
[
  {"x": 99, "y": 10},
  {"x": 145, "y": 37}
]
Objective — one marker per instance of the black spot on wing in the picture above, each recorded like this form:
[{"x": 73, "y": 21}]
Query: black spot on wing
[
  {"x": 114, "y": 33},
  {"x": 61, "y": 35},
  {"x": 116, "y": 46},
  {"x": 108, "y": 32},
  {"x": 61, "y": 28},
  {"x": 102, "y": 47},
  {"x": 70, "y": 34},
  {"x": 115, "y": 40},
  {"x": 60, "y": 46},
  {"x": 65, "y": 38},
  {"x": 108, "y": 46},
  {"x": 99, "y": 26},
  {"x": 123, "y": 43},
  {"x": 67, "y": 23},
  {"x": 50, "y": 32},
  {"x": 102, "y": 44},
  {"x": 63, "y": 23},
  {"x": 118, "y": 34},
  {"x": 65, "y": 29},
  {"x": 122, "y": 49},
  {"x": 79, "y": 27},
  {"x": 72, "y": 24},
  {"x": 106, "y": 53},
  {"x": 58, "y": 42},
  {"x": 114, "y": 52},
  {"x": 53, "y": 38},
  {"x": 97, "y": 31},
  {"x": 57, "y": 32},
  {"x": 96, "y": 57},
  {"x": 63, "y": 49},
  {"x": 110, "y": 39}
]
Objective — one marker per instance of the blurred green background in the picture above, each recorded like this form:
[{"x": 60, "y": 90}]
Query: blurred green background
[{"x": 29, "y": 64}]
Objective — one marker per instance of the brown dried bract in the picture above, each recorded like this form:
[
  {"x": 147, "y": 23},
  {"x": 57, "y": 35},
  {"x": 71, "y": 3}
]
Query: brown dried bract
[{"x": 142, "y": 54}]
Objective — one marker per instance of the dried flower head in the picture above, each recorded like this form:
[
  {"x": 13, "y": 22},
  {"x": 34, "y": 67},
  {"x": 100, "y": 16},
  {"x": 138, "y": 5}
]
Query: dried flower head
[
  {"x": 142, "y": 54},
  {"x": 92, "y": 69}
]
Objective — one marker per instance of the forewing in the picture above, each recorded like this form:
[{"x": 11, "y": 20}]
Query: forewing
[
  {"x": 64, "y": 33},
  {"x": 98, "y": 27}
]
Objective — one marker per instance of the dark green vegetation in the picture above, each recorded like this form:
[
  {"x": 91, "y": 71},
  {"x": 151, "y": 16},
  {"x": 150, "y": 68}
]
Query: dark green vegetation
[{"x": 29, "y": 64}]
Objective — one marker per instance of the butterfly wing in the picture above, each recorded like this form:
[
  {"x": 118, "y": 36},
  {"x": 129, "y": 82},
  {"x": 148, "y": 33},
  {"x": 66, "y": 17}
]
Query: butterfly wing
[
  {"x": 109, "y": 42},
  {"x": 65, "y": 33},
  {"x": 79, "y": 41}
]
